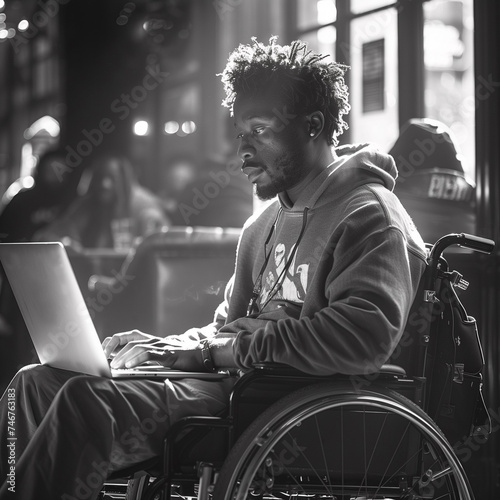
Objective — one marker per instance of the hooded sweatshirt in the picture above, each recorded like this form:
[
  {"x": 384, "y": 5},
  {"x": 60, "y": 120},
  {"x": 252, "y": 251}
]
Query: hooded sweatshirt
[{"x": 333, "y": 276}]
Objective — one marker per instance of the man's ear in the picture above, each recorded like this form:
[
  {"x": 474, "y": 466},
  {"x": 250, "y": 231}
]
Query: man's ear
[{"x": 316, "y": 123}]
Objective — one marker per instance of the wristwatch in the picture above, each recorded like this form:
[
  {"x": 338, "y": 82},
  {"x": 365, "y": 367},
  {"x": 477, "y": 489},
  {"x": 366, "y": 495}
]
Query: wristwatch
[{"x": 206, "y": 357}]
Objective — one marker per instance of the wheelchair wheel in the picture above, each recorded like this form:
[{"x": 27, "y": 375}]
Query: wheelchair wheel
[{"x": 330, "y": 441}]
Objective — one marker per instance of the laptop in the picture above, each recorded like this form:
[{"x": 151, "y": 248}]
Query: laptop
[{"x": 56, "y": 315}]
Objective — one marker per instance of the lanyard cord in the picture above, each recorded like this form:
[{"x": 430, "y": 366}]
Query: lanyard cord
[
  {"x": 279, "y": 282},
  {"x": 258, "y": 282},
  {"x": 281, "y": 278}
]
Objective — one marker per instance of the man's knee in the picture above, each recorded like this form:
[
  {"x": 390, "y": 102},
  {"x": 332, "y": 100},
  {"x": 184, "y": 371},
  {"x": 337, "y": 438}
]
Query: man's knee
[
  {"x": 86, "y": 397},
  {"x": 42, "y": 376},
  {"x": 33, "y": 369},
  {"x": 79, "y": 388},
  {"x": 32, "y": 375}
]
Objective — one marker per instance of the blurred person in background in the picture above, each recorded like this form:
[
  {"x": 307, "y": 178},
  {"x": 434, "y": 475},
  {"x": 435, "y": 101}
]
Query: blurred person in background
[
  {"x": 29, "y": 210},
  {"x": 432, "y": 183},
  {"x": 113, "y": 211}
]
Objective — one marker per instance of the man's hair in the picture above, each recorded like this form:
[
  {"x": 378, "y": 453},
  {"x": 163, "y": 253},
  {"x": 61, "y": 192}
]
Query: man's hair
[{"x": 305, "y": 80}]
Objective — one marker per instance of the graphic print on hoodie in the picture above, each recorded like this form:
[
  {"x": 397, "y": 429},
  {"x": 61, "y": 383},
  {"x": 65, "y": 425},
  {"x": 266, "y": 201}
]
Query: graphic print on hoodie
[{"x": 285, "y": 278}]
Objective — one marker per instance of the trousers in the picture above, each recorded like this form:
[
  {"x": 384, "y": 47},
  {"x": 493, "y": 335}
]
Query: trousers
[{"x": 63, "y": 433}]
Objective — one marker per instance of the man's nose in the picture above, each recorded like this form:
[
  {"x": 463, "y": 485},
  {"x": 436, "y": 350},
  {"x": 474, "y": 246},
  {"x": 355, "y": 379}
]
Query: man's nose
[{"x": 245, "y": 151}]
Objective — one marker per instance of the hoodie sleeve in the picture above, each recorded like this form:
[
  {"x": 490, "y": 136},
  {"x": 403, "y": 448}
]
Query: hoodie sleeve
[{"x": 369, "y": 288}]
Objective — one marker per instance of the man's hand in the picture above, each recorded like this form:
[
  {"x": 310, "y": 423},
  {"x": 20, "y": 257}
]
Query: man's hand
[
  {"x": 112, "y": 345},
  {"x": 134, "y": 348}
]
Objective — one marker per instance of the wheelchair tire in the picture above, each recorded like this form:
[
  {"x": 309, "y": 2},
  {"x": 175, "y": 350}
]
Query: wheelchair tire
[{"x": 331, "y": 441}]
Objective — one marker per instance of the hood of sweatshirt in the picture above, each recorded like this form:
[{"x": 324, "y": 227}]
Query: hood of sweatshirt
[{"x": 356, "y": 165}]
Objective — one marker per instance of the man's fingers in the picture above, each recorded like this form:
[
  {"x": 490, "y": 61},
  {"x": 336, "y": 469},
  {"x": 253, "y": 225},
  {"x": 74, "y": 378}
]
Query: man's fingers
[
  {"x": 117, "y": 340},
  {"x": 105, "y": 343},
  {"x": 121, "y": 355},
  {"x": 137, "y": 353},
  {"x": 110, "y": 344},
  {"x": 136, "y": 358}
]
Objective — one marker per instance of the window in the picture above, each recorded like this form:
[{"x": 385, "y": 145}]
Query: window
[
  {"x": 449, "y": 72},
  {"x": 365, "y": 36},
  {"x": 373, "y": 76},
  {"x": 369, "y": 45},
  {"x": 374, "y": 70},
  {"x": 315, "y": 24}
]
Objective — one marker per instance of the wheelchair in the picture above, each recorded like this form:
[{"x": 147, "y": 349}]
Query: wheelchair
[{"x": 385, "y": 434}]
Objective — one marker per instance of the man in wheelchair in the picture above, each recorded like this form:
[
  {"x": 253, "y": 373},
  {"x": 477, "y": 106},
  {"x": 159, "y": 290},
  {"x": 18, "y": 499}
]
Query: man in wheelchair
[{"x": 324, "y": 279}]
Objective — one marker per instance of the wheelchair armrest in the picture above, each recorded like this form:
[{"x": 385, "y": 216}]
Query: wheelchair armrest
[
  {"x": 279, "y": 369},
  {"x": 282, "y": 369},
  {"x": 395, "y": 370}
]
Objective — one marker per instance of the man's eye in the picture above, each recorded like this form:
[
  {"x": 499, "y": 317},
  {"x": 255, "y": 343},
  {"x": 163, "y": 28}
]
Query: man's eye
[{"x": 255, "y": 131}]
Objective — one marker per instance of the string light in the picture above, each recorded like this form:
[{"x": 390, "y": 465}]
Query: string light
[
  {"x": 5, "y": 31},
  {"x": 171, "y": 127},
  {"x": 23, "y": 25},
  {"x": 141, "y": 127},
  {"x": 188, "y": 127}
]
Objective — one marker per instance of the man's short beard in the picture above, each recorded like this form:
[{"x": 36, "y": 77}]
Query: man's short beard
[
  {"x": 268, "y": 192},
  {"x": 290, "y": 174}
]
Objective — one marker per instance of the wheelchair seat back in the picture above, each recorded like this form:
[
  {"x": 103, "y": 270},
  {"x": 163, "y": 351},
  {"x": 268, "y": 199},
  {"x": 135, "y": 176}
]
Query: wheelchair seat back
[
  {"x": 440, "y": 346},
  {"x": 454, "y": 369}
]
